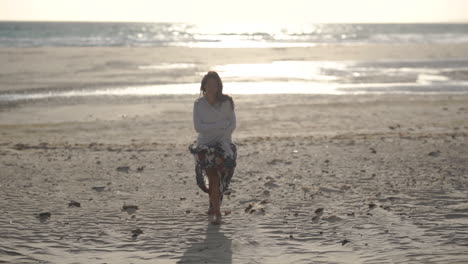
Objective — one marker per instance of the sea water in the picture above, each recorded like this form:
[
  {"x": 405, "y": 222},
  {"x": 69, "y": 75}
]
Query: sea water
[
  {"x": 103, "y": 34},
  {"x": 300, "y": 77}
]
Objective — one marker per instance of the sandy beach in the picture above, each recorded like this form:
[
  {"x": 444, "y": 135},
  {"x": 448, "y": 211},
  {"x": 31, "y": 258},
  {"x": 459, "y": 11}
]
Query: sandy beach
[{"x": 320, "y": 178}]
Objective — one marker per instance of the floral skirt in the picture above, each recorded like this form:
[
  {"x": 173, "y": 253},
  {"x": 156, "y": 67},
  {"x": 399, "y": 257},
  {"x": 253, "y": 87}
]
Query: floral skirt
[{"x": 213, "y": 157}]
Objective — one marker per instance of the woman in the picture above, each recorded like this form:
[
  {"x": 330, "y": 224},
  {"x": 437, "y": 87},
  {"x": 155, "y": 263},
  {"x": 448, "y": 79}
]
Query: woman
[{"x": 214, "y": 120}]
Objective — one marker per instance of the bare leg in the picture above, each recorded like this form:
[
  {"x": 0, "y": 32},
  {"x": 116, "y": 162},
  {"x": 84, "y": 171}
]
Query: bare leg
[{"x": 215, "y": 194}]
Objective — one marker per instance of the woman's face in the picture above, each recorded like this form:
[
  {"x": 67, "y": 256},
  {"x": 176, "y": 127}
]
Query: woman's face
[{"x": 211, "y": 87}]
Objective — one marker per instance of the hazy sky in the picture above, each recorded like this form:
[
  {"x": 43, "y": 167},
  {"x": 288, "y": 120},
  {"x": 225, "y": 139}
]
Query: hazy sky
[{"x": 237, "y": 11}]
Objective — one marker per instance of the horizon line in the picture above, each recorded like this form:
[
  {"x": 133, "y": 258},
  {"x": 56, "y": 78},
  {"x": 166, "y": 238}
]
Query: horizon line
[{"x": 172, "y": 22}]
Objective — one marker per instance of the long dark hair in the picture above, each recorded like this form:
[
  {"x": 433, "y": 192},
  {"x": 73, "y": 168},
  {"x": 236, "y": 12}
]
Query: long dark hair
[{"x": 220, "y": 96}]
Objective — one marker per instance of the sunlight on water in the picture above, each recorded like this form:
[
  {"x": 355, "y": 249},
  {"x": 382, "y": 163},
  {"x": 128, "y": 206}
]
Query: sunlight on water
[
  {"x": 232, "y": 43},
  {"x": 306, "y": 70},
  {"x": 247, "y": 88},
  {"x": 167, "y": 66},
  {"x": 189, "y": 88}
]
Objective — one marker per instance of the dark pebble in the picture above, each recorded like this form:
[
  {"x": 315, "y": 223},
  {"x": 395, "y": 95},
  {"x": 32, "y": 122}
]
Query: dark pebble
[
  {"x": 130, "y": 209},
  {"x": 44, "y": 216},
  {"x": 99, "y": 188},
  {"x": 123, "y": 169},
  {"x": 74, "y": 204},
  {"x": 137, "y": 232}
]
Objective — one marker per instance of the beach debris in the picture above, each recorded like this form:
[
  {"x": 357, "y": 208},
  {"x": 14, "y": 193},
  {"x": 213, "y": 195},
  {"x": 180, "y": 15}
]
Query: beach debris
[
  {"x": 373, "y": 150},
  {"x": 74, "y": 204},
  {"x": 345, "y": 187},
  {"x": 255, "y": 208},
  {"x": 188, "y": 211},
  {"x": 99, "y": 188},
  {"x": 140, "y": 169},
  {"x": 344, "y": 242},
  {"x": 434, "y": 153},
  {"x": 249, "y": 207},
  {"x": 332, "y": 219},
  {"x": 271, "y": 184},
  {"x": 227, "y": 212},
  {"x": 136, "y": 232},
  {"x": 372, "y": 205},
  {"x": 130, "y": 209},
  {"x": 44, "y": 216},
  {"x": 318, "y": 214},
  {"x": 183, "y": 198},
  {"x": 274, "y": 161},
  {"x": 123, "y": 169},
  {"x": 291, "y": 236},
  {"x": 327, "y": 161},
  {"x": 319, "y": 211}
]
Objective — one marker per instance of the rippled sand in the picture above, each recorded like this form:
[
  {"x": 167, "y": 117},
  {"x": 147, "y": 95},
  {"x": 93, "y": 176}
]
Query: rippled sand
[{"x": 320, "y": 179}]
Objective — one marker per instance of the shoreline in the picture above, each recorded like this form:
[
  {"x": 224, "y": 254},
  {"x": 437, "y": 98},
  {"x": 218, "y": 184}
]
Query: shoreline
[{"x": 28, "y": 69}]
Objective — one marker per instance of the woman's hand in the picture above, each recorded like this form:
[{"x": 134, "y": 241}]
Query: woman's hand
[{"x": 223, "y": 124}]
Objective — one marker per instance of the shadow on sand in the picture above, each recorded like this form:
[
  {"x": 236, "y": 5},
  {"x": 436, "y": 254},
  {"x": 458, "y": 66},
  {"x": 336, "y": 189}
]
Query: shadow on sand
[{"x": 216, "y": 248}]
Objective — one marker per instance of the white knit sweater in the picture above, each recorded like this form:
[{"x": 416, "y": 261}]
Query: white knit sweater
[{"x": 214, "y": 123}]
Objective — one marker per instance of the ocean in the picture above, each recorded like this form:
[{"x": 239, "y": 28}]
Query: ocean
[
  {"x": 91, "y": 34},
  {"x": 428, "y": 75}
]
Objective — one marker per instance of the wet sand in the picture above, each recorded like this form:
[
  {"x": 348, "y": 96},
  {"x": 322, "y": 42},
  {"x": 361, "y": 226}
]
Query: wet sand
[
  {"x": 322, "y": 179},
  {"x": 66, "y": 68}
]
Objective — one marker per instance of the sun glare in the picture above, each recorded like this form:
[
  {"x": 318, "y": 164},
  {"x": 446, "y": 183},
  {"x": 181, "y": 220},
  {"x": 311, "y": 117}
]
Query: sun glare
[{"x": 237, "y": 12}]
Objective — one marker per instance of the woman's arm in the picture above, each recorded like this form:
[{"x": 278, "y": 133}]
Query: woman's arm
[{"x": 232, "y": 122}]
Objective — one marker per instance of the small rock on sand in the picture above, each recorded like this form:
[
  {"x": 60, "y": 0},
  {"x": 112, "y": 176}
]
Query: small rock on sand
[
  {"x": 344, "y": 242},
  {"x": 130, "y": 208},
  {"x": 434, "y": 153},
  {"x": 319, "y": 211},
  {"x": 136, "y": 232},
  {"x": 99, "y": 188},
  {"x": 74, "y": 204},
  {"x": 44, "y": 216},
  {"x": 123, "y": 169}
]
